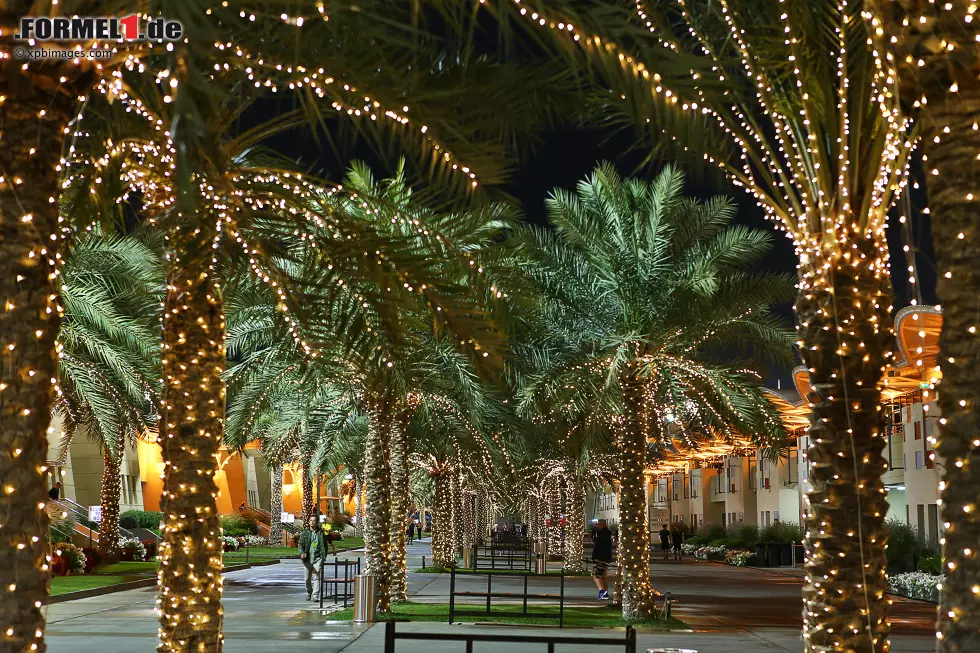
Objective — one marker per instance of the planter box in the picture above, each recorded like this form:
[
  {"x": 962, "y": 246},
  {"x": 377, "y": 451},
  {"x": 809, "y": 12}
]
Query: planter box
[{"x": 761, "y": 557}]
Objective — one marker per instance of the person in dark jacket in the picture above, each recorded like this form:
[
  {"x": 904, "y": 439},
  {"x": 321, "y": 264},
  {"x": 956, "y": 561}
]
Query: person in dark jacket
[
  {"x": 601, "y": 558},
  {"x": 311, "y": 550},
  {"x": 55, "y": 492},
  {"x": 411, "y": 532},
  {"x": 677, "y": 538},
  {"x": 665, "y": 541}
]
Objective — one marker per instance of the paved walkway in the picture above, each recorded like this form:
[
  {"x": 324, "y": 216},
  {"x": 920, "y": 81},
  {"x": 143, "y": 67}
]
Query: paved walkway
[{"x": 728, "y": 609}]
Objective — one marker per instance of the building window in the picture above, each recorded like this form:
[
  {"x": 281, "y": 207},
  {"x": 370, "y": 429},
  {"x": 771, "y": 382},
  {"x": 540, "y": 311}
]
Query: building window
[{"x": 918, "y": 460}]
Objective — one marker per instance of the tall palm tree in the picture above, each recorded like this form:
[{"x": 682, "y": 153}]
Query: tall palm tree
[
  {"x": 792, "y": 102},
  {"x": 109, "y": 376},
  {"x": 658, "y": 320},
  {"x": 934, "y": 49}
]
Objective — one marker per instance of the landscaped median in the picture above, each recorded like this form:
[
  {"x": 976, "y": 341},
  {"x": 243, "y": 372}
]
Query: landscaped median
[
  {"x": 121, "y": 576},
  {"x": 605, "y": 616},
  {"x": 496, "y": 572}
]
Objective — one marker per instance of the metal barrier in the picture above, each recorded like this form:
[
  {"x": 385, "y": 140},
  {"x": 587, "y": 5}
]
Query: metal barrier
[
  {"x": 343, "y": 588},
  {"x": 490, "y": 594},
  {"x": 628, "y": 641},
  {"x": 514, "y": 554}
]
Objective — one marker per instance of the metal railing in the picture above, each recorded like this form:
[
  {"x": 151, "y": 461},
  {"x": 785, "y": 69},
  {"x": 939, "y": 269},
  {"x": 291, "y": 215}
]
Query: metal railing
[
  {"x": 627, "y": 641},
  {"x": 490, "y": 594},
  {"x": 352, "y": 569}
]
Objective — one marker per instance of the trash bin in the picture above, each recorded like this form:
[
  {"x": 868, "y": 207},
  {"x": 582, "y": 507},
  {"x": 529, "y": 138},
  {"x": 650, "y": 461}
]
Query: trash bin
[
  {"x": 365, "y": 598},
  {"x": 541, "y": 557}
]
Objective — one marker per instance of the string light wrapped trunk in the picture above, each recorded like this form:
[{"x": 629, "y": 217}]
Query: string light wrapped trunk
[
  {"x": 377, "y": 509},
  {"x": 845, "y": 505},
  {"x": 575, "y": 530},
  {"x": 554, "y": 530},
  {"x": 442, "y": 548},
  {"x": 109, "y": 526},
  {"x": 35, "y": 108},
  {"x": 275, "y": 509},
  {"x": 399, "y": 507},
  {"x": 634, "y": 537},
  {"x": 189, "y": 577},
  {"x": 456, "y": 512},
  {"x": 469, "y": 519},
  {"x": 306, "y": 485},
  {"x": 935, "y": 50}
]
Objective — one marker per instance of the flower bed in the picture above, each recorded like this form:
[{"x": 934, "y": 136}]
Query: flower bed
[
  {"x": 690, "y": 549},
  {"x": 68, "y": 559},
  {"x": 739, "y": 558},
  {"x": 917, "y": 585},
  {"x": 710, "y": 553},
  {"x": 132, "y": 549}
]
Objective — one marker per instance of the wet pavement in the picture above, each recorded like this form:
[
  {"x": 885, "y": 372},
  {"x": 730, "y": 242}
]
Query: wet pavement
[{"x": 728, "y": 610}]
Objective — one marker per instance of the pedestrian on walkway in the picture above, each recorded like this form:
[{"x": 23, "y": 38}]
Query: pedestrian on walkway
[
  {"x": 55, "y": 492},
  {"x": 601, "y": 557},
  {"x": 677, "y": 538},
  {"x": 665, "y": 541},
  {"x": 310, "y": 552},
  {"x": 411, "y": 532}
]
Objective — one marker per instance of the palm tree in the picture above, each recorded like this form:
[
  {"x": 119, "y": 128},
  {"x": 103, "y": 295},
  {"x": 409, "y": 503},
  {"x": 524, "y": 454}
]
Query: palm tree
[
  {"x": 935, "y": 51},
  {"x": 656, "y": 319},
  {"x": 782, "y": 98},
  {"x": 109, "y": 373}
]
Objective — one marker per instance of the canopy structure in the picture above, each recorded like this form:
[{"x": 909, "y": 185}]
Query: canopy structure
[{"x": 917, "y": 330}]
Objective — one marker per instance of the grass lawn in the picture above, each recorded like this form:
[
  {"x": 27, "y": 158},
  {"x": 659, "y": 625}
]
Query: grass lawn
[
  {"x": 128, "y": 568},
  {"x": 272, "y": 552},
  {"x": 606, "y": 616},
  {"x": 65, "y": 584},
  {"x": 461, "y": 571}
]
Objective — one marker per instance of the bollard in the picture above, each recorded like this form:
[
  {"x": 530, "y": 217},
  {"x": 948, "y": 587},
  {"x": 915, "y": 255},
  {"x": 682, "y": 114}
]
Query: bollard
[
  {"x": 365, "y": 599},
  {"x": 541, "y": 557}
]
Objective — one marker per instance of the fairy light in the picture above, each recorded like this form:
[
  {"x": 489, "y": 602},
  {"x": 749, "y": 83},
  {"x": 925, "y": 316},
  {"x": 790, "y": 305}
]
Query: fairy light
[{"x": 933, "y": 48}]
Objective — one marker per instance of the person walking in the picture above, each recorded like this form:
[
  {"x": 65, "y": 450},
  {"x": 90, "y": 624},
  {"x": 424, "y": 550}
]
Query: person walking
[
  {"x": 677, "y": 538},
  {"x": 55, "y": 492},
  {"x": 411, "y": 532},
  {"x": 601, "y": 558},
  {"x": 310, "y": 552},
  {"x": 665, "y": 541}
]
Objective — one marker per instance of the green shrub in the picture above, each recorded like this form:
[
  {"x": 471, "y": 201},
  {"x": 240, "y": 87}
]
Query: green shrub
[
  {"x": 744, "y": 536},
  {"x": 150, "y": 520},
  {"x": 711, "y": 532},
  {"x": 781, "y": 532},
  {"x": 238, "y": 525},
  {"x": 903, "y": 545},
  {"x": 930, "y": 564}
]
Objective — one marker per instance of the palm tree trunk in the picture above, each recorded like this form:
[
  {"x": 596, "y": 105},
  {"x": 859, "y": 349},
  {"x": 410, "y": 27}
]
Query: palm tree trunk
[
  {"x": 109, "y": 526},
  {"x": 377, "y": 512},
  {"x": 554, "y": 511},
  {"x": 574, "y": 552},
  {"x": 442, "y": 537},
  {"x": 33, "y": 115},
  {"x": 634, "y": 538},
  {"x": 306, "y": 485},
  {"x": 457, "y": 512},
  {"x": 275, "y": 509},
  {"x": 399, "y": 508},
  {"x": 845, "y": 325},
  {"x": 358, "y": 508},
  {"x": 469, "y": 519},
  {"x": 189, "y": 599},
  {"x": 957, "y": 241}
]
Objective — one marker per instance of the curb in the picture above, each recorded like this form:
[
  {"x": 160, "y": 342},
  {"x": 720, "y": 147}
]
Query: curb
[{"x": 136, "y": 584}]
